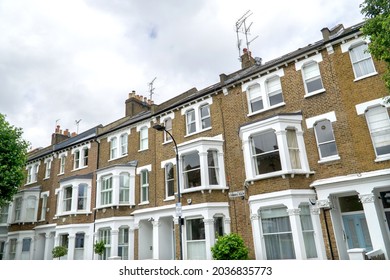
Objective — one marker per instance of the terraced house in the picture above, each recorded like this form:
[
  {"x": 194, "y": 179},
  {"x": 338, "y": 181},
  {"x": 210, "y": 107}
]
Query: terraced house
[{"x": 292, "y": 154}]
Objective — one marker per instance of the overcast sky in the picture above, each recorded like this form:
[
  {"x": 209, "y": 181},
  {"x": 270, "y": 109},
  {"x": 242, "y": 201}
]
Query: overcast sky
[{"x": 66, "y": 60}]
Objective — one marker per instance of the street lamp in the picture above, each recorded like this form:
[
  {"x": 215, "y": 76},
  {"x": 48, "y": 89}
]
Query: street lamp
[{"x": 159, "y": 127}]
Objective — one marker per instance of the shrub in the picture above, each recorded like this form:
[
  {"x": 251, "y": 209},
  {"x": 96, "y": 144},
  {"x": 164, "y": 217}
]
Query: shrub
[
  {"x": 59, "y": 251},
  {"x": 230, "y": 247},
  {"x": 99, "y": 247}
]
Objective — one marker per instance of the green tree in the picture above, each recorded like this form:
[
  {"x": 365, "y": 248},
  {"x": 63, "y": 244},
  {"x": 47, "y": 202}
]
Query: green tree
[
  {"x": 59, "y": 252},
  {"x": 377, "y": 28},
  {"x": 13, "y": 156},
  {"x": 230, "y": 247}
]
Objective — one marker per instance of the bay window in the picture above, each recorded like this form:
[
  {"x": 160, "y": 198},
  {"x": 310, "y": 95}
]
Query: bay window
[
  {"x": 115, "y": 185},
  {"x": 74, "y": 195},
  {"x": 202, "y": 164},
  {"x": 307, "y": 231},
  {"x": 274, "y": 147}
]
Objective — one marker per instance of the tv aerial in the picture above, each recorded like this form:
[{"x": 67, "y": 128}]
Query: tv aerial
[
  {"x": 244, "y": 28},
  {"x": 151, "y": 88}
]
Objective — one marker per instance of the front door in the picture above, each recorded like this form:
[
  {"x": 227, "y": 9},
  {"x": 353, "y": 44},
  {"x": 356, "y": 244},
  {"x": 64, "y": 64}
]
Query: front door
[{"x": 356, "y": 231}]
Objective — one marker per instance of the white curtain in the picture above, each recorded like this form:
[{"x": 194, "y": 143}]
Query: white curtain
[
  {"x": 361, "y": 60},
  {"x": 308, "y": 232},
  {"x": 293, "y": 149}
]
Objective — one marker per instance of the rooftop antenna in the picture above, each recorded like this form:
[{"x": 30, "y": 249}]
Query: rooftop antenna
[
  {"x": 242, "y": 27},
  {"x": 57, "y": 120},
  {"x": 77, "y": 124},
  {"x": 151, "y": 89}
]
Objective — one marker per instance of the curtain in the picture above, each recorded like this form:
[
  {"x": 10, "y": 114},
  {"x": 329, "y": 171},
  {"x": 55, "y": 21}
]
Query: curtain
[
  {"x": 212, "y": 158},
  {"x": 277, "y": 234},
  {"x": 308, "y": 232},
  {"x": 361, "y": 60},
  {"x": 293, "y": 149}
]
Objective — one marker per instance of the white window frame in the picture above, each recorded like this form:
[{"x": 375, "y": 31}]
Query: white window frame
[
  {"x": 263, "y": 94},
  {"x": 20, "y": 212},
  {"x": 144, "y": 185},
  {"x": 311, "y": 123},
  {"x": 115, "y": 171},
  {"x": 62, "y": 162},
  {"x": 362, "y": 109},
  {"x": 201, "y": 146},
  {"x": 48, "y": 164},
  {"x": 74, "y": 183},
  {"x": 163, "y": 120},
  {"x": 348, "y": 46},
  {"x": 291, "y": 199},
  {"x": 118, "y": 144},
  {"x": 143, "y": 139},
  {"x": 44, "y": 205},
  {"x": 300, "y": 66},
  {"x": 32, "y": 172},
  {"x": 196, "y": 107},
  {"x": 279, "y": 124},
  {"x": 80, "y": 156}
]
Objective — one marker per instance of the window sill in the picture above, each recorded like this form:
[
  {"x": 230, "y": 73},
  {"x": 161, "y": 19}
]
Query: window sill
[
  {"x": 267, "y": 109},
  {"x": 203, "y": 189},
  {"x": 314, "y": 93},
  {"x": 382, "y": 158},
  {"x": 167, "y": 142},
  {"x": 122, "y": 156},
  {"x": 282, "y": 174},
  {"x": 366, "y": 76},
  {"x": 196, "y": 132},
  {"x": 143, "y": 203},
  {"x": 80, "y": 168},
  {"x": 112, "y": 206},
  {"x": 170, "y": 198},
  {"x": 329, "y": 159},
  {"x": 72, "y": 213},
  {"x": 142, "y": 150}
]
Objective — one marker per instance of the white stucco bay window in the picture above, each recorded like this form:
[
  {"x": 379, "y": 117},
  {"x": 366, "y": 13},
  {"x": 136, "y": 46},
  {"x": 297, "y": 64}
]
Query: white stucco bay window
[
  {"x": 202, "y": 165},
  {"x": 74, "y": 195},
  {"x": 116, "y": 185},
  {"x": 25, "y": 206},
  {"x": 274, "y": 147},
  {"x": 286, "y": 226}
]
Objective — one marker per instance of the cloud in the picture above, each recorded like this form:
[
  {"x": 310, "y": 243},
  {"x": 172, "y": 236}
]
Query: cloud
[{"x": 74, "y": 59}]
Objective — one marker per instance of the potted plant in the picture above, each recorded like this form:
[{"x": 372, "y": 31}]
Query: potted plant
[
  {"x": 99, "y": 247},
  {"x": 229, "y": 247},
  {"x": 59, "y": 251}
]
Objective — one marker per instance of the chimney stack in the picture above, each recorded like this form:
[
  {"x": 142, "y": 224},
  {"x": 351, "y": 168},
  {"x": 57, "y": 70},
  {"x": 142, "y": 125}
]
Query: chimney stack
[
  {"x": 246, "y": 59},
  {"x": 136, "y": 104}
]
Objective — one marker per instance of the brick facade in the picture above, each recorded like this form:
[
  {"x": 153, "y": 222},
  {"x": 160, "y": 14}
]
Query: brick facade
[{"x": 150, "y": 223}]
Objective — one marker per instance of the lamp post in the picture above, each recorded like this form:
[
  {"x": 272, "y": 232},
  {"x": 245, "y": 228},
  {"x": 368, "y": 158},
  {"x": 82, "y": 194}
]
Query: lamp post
[{"x": 159, "y": 127}]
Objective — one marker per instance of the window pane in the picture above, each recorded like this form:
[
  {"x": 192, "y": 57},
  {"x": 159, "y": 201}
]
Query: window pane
[
  {"x": 212, "y": 160},
  {"x": 169, "y": 180},
  {"x": 313, "y": 85},
  {"x": 277, "y": 233},
  {"x": 79, "y": 242},
  {"x": 205, "y": 116},
  {"x": 325, "y": 138},
  {"x": 361, "y": 60},
  {"x": 190, "y": 118},
  {"x": 195, "y": 229},
  {"x": 191, "y": 170},
  {"x": 379, "y": 125},
  {"x": 266, "y": 153}
]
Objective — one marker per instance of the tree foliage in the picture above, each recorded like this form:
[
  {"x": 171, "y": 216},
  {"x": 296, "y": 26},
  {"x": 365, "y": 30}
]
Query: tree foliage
[
  {"x": 230, "y": 247},
  {"x": 377, "y": 28},
  {"x": 99, "y": 247},
  {"x": 13, "y": 156},
  {"x": 59, "y": 252}
]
